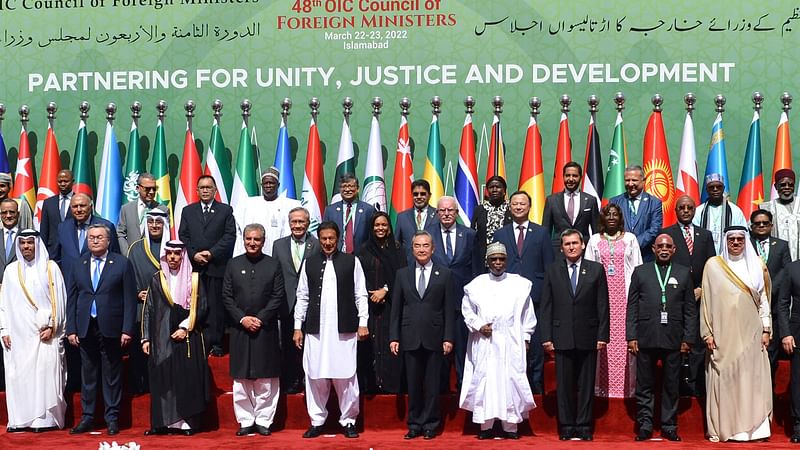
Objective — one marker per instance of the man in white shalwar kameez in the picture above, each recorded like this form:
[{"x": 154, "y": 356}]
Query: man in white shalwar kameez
[
  {"x": 32, "y": 320},
  {"x": 330, "y": 317},
  {"x": 786, "y": 211},
  {"x": 270, "y": 210},
  {"x": 498, "y": 311}
]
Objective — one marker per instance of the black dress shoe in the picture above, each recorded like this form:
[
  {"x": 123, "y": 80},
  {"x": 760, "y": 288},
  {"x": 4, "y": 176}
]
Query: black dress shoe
[
  {"x": 295, "y": 388},
  {"x": 43, "y": 429},
  {"x": 113, "y": 429},
  {"x": 349, "y": 431},
  {"x": 670, "y": 435},
  {"x": 188, "y": 432},
  {"x": 585, "y": 436},
  {"x": 262, "y": 430},
  {"x": 644, "y": 435},
  {"x": 312, "y": 432},
  {"x": 429, "y": 434},
  {"x": 160, "y": 431},
  {"x": 216, "y": 350},
  {"x": 511, "y": 435},
  {"x": 564, "y": 437},
  {"x": 412, "y": 434},
  {"x": 795, "y": 438},
  {"x": 485, "y": 434},
  {"x": 84, "y": 427},
  {"x": 244, "y": 431},
  {"x": 16, "y": 430}
]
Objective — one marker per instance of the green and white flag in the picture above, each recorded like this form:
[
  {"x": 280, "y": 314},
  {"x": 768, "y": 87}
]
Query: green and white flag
[
  {"x": 346, "y": 161},
  {"x": 374, "y": 191},
  {"x": 134, "y": 164},
  {"x": 245, "y": 181},
  {"x": 218, "y": 165}
]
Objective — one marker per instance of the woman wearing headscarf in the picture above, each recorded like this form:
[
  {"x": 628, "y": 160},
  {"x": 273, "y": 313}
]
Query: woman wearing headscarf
[{"x": 381, "y": 257}]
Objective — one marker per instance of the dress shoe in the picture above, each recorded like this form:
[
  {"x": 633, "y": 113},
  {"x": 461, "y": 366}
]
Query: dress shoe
[
  {"x": 795, "y": 438},
  {"x": 244, "y": 431},
  {"x": 584, "y": 436},
  {"x": 313, "y": 432},
  {"x": 216, "y": 350},
  {"x": 485, "y": 434},
  {"x": 160, "y": 431},
  {"x": 43, "y": 429},
  {"x": 16, "y": 430},
  {"x": 429, "y": 434},
  {"x": 670, "y": 435},
  {"x": 412, "y": 434},
  {"x": 349, "y": 431},
  {"x": 113, "y": 429},
  {"x": 262, "y": 430},
  {"x": 511, "y": 435},
  {"x": 644, "y": 434},
  {"x": 564, "y": 437},
  {"x": 188, "y": 432},
  {"x": 295, "y": 388},
  {"x": 84, "y": 427}
]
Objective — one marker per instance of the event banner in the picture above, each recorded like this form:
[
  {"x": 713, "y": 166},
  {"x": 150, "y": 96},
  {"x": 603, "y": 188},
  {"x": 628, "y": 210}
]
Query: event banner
[{"x": 124, "y": 51}]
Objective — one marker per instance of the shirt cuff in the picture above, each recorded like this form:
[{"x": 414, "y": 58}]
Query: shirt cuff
[
  {"x": 362, "y": 321},
  {"x": 766, "y": 322},
  {"x": 298, "y": 324},
  {"x": 184, "y": 324}
]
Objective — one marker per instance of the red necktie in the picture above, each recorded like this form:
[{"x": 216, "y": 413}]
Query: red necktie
[
  {"x": 348, "y": 230},
  {"x": 520, "y": 239},
  {"x": 687, "y": 234}
]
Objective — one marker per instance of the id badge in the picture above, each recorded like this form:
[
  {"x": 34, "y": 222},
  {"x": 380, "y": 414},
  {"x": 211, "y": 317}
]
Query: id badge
[
  {"x": 663, "y": 317},
  {"x": 611, "y": 270}
]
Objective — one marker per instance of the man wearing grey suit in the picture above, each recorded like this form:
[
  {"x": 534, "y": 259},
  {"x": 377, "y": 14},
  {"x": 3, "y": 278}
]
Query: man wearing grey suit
[
  {"x": 291, "y": 252},
  {"x": 131, "y": 215}
]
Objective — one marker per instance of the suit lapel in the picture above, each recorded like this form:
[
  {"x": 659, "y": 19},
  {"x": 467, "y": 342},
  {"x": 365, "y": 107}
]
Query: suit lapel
[
  {"x": 412, "y": 271},
  {"x": 562, "y": 210}
]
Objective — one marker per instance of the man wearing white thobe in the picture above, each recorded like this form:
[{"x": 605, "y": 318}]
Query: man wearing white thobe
[
  {"x": 330, "y": 316},
  {"x": 270, "y": 210},
  {"x": 498, "y": 311},
  {"x": 32, "y": 320},
  {"x": 785, "y": 211}
]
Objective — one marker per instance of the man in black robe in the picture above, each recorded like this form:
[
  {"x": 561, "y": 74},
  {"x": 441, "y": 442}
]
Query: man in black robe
[
  {"x": 174, "y": 314},
  {"x": 252, "y": 291}
]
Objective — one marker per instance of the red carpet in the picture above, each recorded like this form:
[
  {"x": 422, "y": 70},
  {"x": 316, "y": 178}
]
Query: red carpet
[{"x": 382, "y": 424}]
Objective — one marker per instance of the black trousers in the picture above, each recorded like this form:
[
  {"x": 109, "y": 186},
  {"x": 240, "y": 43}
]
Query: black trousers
[
  {"x": 575, "y": 371},
  {"x": 137, "y": 364},
  {"x": 101, "y": 362},
  {"x": 215, "y": 329},
  {"x": 794, "y": 386},
  {"x": 423, "y": 371},
  {"x": 645, "y": 384}
]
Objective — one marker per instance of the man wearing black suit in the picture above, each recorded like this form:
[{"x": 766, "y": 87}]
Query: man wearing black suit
[
  {"x": 684, "y": 234},
  {"x": 291, "y": 251},
  {"x": 661, "y": 324},
  {"x": 55, "y": 210},
  {"x": 454, "y": 247},
  {"x": 422, "y": 327},
  {"x": 788, "y": 321},
  {"x": 101, "y": 305},
  {"x": 776, "y": 255},
  {"x": 574, "y": 324},
  {"x": 72, "y": 243},
  {"x": 529, "y": 253},
  {"x": 209, "y": 231},
  {"x": 351, "y": 215},
  {"x": 570, "y": 208},
  {"x": 416, "y": 218}
]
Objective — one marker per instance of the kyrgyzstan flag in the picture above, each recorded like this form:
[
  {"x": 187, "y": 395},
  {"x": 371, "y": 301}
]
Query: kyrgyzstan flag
[{"x": 657, "y": 169}]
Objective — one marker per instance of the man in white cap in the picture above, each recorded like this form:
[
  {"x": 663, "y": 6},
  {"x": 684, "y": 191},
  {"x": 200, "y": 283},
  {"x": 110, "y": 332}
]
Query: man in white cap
[
  {"x": 25, "y": 212},
  {"x": 32, "y": 320},
  {"x": 716, "y": 214},
  {"x": 270, "y": 210},
  {"x": 498, "y": 311},
  {"x": 172, "y": 336},
  {"x": 785, "y": 211}
]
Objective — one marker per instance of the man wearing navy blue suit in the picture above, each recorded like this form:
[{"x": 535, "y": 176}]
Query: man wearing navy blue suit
[
  {"x": 350, "y": 214},
  {"x": 530, "y": 251},
  {"x": 55, "y": 210},
  {"x": 454, "y": 247},
  {"x": 72, "y": 243},
  {"x": 642, "y": 212},
  {"x": 416, "y": 218},
  {"x": 101, "y": 305}
]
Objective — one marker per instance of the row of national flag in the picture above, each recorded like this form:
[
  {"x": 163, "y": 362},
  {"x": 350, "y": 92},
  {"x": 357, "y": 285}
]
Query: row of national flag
[{"x": 116, "y": 186}]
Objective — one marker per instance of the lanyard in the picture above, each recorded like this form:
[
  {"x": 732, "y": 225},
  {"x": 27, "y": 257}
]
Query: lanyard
[{"x": 663, "y": 283}]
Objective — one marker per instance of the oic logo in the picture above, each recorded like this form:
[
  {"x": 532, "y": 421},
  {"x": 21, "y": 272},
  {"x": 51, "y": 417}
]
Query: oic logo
[{"x": 658, "y": 182}]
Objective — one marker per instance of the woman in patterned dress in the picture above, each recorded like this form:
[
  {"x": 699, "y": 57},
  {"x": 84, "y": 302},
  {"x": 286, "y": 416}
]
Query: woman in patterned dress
[{"x": 619, "y": 253}]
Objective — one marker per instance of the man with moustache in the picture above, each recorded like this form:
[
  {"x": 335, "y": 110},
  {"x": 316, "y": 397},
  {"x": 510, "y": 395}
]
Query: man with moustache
[
  {"x": 55, "y": 209},
  {"x": 641, "y": 211},
  {"x": 350, "y": 214},
  {"x": 570, "y": 208},
  {"x": 661, "y": 324},
  {"x": 785, "y": 211},
  {"x": 718, "y": 213},
  {"x": 132, "y": 214},
  {"x": 416, "y": 218},
  {"x": 25, "y": 212}
]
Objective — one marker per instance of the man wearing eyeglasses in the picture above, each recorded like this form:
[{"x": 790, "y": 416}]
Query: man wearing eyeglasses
[
  {"x": 350, "y": 214},
  {"x": 416, "y": 218},
  {"x": 785, "y": 210},
  {"x": 132, "y": 215}
]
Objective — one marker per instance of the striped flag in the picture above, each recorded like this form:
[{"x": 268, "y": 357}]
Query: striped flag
[
  {"x": 4, "y": 166},
  {"x": 717, "y": 161},
  {"x": 81, "y": 164},
  {"x": 283, "y": 162},
  {"x": 24, "y": 183},
  {"x": 246, "y": 180},
  {"x": 687, "y": 184},
  {"x": 346, "y": 160},
  {"x": 313, "y": 193},
  {"x": 134, "y": 163},
  {"x": 783, "y": 151},
  {"x": 592, "y": 182},
  {"x": 403, "y": 172},
  {"x": 751, "y": 185},
  {"x": 51, "y": 165},
  {"x": 217, "y": 164},
  {"x": 374, "y": 187},
  {"x": 658, "y": 180},
  {"x": 466, "y": 184},
  {"x": 434, "y": 163},
  {"x": 563, "y": 154},
  {"x": 496, "y": 164},
  {"x": 109, "y": 186},
  {"x": 531, "y": 174},
  {"x": 190, "y": 172},
  {"x": 158, "y": 167},
  {"x": 617, "y": 160}
]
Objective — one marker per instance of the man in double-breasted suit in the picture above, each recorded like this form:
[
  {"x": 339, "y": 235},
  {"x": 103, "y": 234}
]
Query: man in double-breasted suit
[
  {"x": 529, "y": 253},
  {"x": 422, "y": 328},
  {"x": 101, "y": 305},
  {"x": 684, "y": 233},
  {"x": 661, "y": 324},
  {"x": 574, "y": 324},
  {"x": 788, "y": 322},
  {"x": 416, "y": 218},
  {"x": 291, "y": 251},
  {"x": 209, "y": 231},
  {"x": 642, "y": 212},
  {"x": 55, "y": 209},
  {"x": 72, "y": 243},
  {"x": 350, "y": 214},
  {"x": 570, "y": 208},
  {"x": 132, "y": 214}
]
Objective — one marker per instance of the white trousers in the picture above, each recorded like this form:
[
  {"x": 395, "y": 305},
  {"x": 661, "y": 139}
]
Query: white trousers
[
  {"x": 255, "y": 401},
  {"x": 317, "y": 392},
  {"x": 507, "y": 427}
]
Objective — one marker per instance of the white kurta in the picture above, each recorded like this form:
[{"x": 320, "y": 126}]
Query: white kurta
[
  {"x": 272, "y": 215},
  {"x": 35, "y": 371},
  {"x": 330, "y": 354},
  {"x": 786, "y": 220},
  {"x": 495, "y": 384}
]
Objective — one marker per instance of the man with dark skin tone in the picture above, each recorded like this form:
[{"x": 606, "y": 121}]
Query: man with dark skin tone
[
  {"x": 490, "y": 216},
  {"x": 785, "y": 211},
  {"x": 55, "y": 209},
  {"x": 718, "y": 212}
]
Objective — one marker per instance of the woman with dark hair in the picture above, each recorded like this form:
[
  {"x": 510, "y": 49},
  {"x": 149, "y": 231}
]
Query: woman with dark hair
[
  {"x": 381, "y": 257},
  {"x": 619, "y": 253}
]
